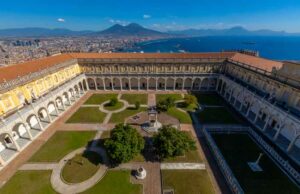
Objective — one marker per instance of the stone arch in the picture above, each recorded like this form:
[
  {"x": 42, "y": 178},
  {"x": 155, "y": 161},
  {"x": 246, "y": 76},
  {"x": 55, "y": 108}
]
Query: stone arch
[
  {"x": 170, "y": 83},
  {"x": 44, "y": 115},
  {"x": 76, "y": 89},
  {"x": 8, "y": 148},
  {"x": 212, "y": 83},
  {"x": 205, "y": 84},
  {"x": 100, "y": 83},
  {"x": 134, "y": 83},
  {"x": 91, "y": 83},
  {"x": 80, "y": 86},
  {"x": 19, "y": 131},
  {"x": 152, "y": 83},
  {"x": 143, "y": 84},
  {"x": 66, "y": 98},
  {"x": 51, "y": 109},
  {"x": 188, "y": 83},
  {"x": 20, "y": 134},
  {"x": 59, "y": 103},
  {"x": 196, "y": 84},
  {"x": 117, "y": 83},
  {"x": 108, "y": 83},
  {"x": 84, "y": 85},
  {"x": 34, "y": 122},
  {"x": 219, "y": 89},
  {"x": 125, "y": 83},
  {"x": 160, "y": 83},
  {"x": 178, "y": 83}
]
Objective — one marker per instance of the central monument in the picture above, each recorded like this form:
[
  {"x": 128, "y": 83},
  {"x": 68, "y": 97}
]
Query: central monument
[{"x": 152, "y": 125}]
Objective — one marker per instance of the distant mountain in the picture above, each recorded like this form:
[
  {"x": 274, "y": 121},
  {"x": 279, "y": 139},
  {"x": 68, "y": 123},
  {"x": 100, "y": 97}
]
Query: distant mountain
[
  {"x": 235, "y": 31},
  {"x": 132, "y": 29},
  {"x": 40, "y": 32}
]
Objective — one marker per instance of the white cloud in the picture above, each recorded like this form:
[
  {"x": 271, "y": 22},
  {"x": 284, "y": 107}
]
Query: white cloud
[
  {"x": 61, "y": 20},
  {"x": 121, "y": 22},
  {"x": 146, "y": 16}
]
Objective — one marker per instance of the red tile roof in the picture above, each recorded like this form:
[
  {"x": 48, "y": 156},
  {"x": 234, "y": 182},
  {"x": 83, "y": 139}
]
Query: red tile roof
[
  {"x": 257, "y": 62},
  {"x": 11, "y": 72}
]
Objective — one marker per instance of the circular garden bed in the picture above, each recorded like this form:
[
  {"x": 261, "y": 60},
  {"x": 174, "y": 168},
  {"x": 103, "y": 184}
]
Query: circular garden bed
[
  {"x": 81, "y": 167},
  {"x": 116, "y": 106}
]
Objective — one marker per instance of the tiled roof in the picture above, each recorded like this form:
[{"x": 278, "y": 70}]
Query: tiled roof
[
  {"x": 257, "y": 62},
  {"x": 151, "y": 55},
  {"x": 11, "y": 72}
]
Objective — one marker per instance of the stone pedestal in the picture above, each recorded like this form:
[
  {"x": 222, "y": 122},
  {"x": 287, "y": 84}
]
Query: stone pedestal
[{"x": 141, "y": 173}]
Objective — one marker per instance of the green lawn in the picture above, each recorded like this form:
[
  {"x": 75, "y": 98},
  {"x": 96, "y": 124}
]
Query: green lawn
[
  {"x": 132, "y": 98},
  {"x": 116, "y": 182},
  {"x": 117, "y": 106},
  {"x": 183, "y": 117},
  {"x": 87, "y": 115},
  {"x": 81, "y": 167},
  {"x": 121, "y": 116},
  {"x": 99, "y": 98},
  {"x": 160, "y": 97},
  {"x": 23, "y": 182},
  {"x": 220, "y": 115},
  {"x": 62, "y": 143},
  {"x": 209, "y": 99},
  {"x": 189, "y": 108},
  {"x": 187, "y": 181},
  {"x": 238, "y": 149}
]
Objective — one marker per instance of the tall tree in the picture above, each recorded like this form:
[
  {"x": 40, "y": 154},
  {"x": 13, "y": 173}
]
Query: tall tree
[
  {"x": 170, "y": 142},
  {"x": 125, "y": 143}
]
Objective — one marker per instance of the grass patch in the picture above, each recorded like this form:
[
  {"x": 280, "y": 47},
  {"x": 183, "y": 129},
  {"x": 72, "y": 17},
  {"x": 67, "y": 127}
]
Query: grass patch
[
  {"x": 160, "y": 97},
  {"x": 183, "y": 117},
  {"x": 238, "y": 149},
  {"x": 37, "y": 182},
  {"x": 100, "y": 98},
  {"x": 116, "y": 182},
  {"x": 81, "y": 167},
  {"x": 189, "y": 108},
  {"x": 187, "y": 181},
  {"x": 220, "y": 115},
  {"x": 117, "y": 106},
  {"x": 62, "y": 143},
  {"x": 209, "y": 99},
  {"x": 132, "y": 98},
  {"x": 87, "y": 115},
  {"x": 121, "y": 116}
]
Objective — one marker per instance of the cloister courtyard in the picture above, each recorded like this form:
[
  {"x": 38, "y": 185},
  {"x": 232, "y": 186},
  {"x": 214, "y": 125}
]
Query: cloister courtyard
[{"x": 69, "y": 157}]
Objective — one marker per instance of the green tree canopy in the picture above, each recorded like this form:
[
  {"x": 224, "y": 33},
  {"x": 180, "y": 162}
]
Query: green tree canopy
[
  {"x": 170, "y": 142},
  {"x": 125, "y": 143},
  {"x": 164, "y": 105}
]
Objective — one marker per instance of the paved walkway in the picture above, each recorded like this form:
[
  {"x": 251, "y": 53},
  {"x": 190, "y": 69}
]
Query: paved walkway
[
  {"x": 38, "y": 166},
  {"x": 152, "y": 182},
  {"x": 151, "y": 99},
  {"x": 182, "y": 166}
]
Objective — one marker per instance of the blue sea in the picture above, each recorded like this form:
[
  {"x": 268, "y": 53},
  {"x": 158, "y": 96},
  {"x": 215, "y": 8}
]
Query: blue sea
[{"x": 278, "y": 48}]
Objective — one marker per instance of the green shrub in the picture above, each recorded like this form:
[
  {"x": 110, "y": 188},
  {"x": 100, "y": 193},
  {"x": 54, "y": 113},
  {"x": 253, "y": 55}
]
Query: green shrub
[
  {"x": 113, "y": 101},
  {"x": 137, "y": 105}
]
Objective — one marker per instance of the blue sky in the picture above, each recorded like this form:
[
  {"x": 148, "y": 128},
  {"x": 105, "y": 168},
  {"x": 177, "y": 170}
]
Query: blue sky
[{"x": 156, "y": 14}]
